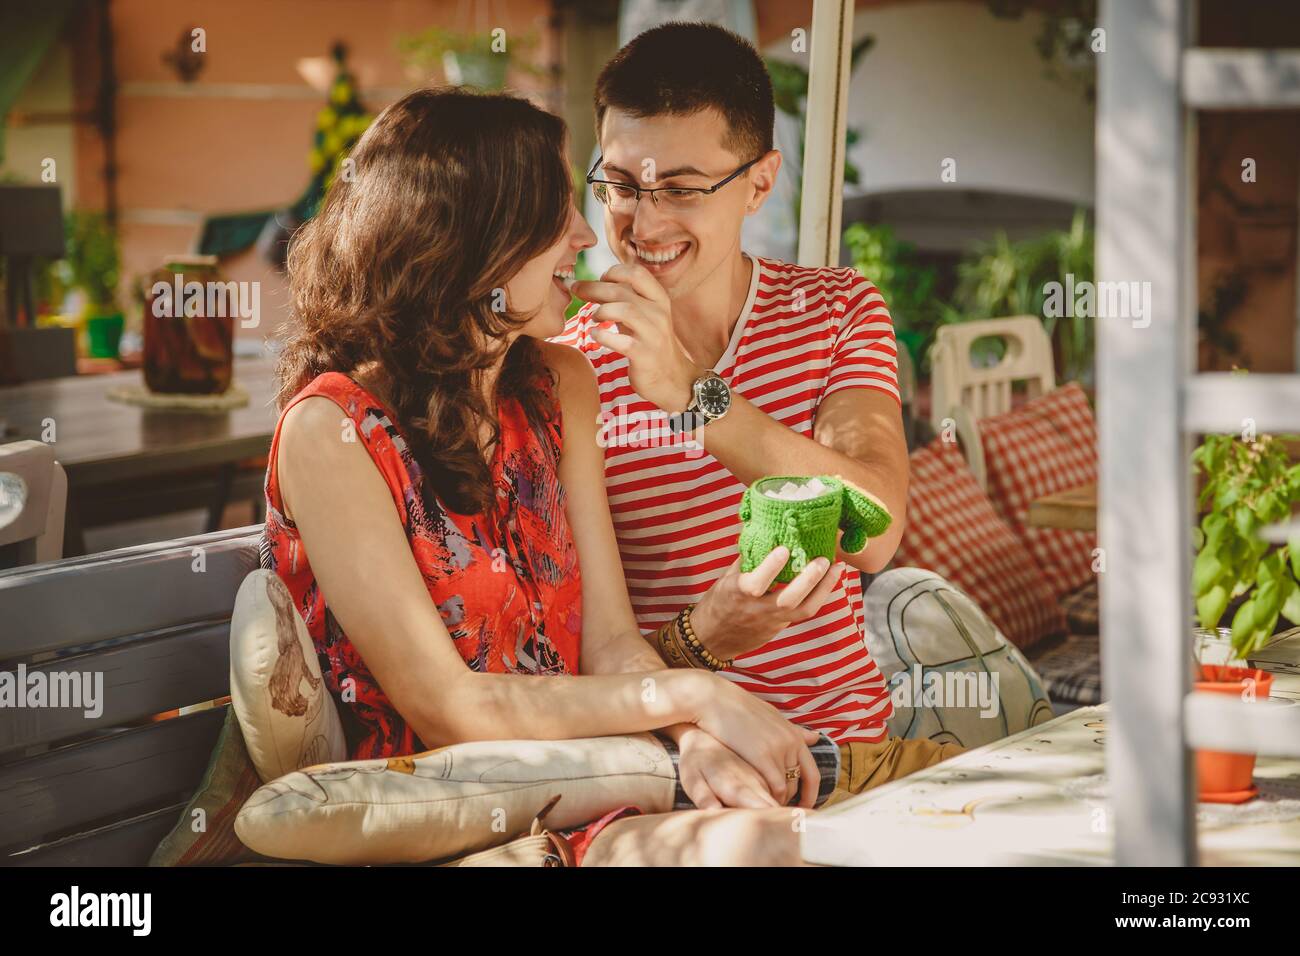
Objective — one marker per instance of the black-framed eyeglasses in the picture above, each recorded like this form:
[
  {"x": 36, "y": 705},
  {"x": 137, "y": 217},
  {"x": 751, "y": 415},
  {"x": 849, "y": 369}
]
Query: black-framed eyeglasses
[{"x": 622, "y": 197}]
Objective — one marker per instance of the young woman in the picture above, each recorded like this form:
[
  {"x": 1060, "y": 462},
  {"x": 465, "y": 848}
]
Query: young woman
[{"x": 435, "y": 496}]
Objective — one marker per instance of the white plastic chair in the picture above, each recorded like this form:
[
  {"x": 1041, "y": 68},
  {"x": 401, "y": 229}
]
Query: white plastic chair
[
  {"x": 33, "y": 501},
  {"x": 964, "y": 393},
  {"x": 906, "y": 376}
]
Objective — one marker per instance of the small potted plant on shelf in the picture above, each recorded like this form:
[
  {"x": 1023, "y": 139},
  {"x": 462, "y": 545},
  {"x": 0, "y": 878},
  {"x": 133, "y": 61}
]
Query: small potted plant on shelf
[
  {"x": 468, "y": 59},
  {"x": 91, "y": 264},
  {"x": 1237, "y": 576}
]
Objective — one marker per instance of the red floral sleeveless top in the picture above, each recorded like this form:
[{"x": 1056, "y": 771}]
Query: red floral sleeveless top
[{"x": 506, "y": 581}]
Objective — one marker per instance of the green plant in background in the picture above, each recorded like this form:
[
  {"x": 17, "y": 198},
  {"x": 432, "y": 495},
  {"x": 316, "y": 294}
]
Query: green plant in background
[
  {"x": 581, "y": 273},
  {"x": 468, "y": 59},
  {"x": 1222, "y": 345},
  {"x": 1004, "y": 277},
  {"x": 1248, "y": 484},
  {"x": 907, "y": 286},
  {"x": 790, "y": 91},
  {"x": 581, "y": 270},
  {"x": 49, "y": 287},
  {"x": 91, "y": 261},
  {"x": 1064, "y": 41}
]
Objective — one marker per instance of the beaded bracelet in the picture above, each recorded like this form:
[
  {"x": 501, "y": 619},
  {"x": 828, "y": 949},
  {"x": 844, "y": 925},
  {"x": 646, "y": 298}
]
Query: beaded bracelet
[
  {"x": 693, "y": 644},
  {"x": 677, "y": 651}
]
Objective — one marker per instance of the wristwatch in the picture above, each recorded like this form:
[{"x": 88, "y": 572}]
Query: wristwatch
[{"x": 710, "y": 400}]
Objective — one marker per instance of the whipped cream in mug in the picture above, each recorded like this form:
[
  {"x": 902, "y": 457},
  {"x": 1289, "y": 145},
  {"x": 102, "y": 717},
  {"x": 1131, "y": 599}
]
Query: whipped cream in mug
[{"x": 792, "y": 492}]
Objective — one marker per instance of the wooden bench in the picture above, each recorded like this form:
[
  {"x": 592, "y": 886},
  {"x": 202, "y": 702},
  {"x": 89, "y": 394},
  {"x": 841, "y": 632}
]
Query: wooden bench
[{"x": 155, "y": 621}]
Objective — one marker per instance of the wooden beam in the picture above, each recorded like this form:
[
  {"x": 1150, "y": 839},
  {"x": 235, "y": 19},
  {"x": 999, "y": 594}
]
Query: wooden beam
[
  {"x": 1241, "y": 79},
  {"x": 1144, "y": 233},
  {"x": 824, "y": 138}
]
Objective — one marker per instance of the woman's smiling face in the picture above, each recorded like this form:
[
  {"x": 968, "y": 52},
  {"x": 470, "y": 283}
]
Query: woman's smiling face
[{"x": 540, "y": 288}]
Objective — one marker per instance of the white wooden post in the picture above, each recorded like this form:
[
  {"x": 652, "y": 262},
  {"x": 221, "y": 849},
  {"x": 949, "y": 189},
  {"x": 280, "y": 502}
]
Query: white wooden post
[
  {"x": 824, "y": 138},
  {"x": 1144, "y": 234}
]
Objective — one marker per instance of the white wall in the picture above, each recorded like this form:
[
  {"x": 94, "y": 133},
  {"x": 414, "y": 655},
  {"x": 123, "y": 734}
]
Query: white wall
[{"x": 951, "y": 80}]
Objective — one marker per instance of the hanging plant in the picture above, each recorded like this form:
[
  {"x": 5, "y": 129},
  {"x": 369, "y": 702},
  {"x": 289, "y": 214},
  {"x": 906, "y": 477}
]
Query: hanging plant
[{"x": 1064, "y": 41}]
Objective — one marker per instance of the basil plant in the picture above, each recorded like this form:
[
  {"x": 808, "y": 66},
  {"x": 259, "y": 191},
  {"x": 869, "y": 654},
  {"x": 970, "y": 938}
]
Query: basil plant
[{"x": 1248, "y": 485}]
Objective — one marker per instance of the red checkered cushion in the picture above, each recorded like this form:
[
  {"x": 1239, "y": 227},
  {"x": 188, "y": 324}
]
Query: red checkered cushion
[
  {"x": 1049, "y": 445},
  {"x": 953, "y": 530}
]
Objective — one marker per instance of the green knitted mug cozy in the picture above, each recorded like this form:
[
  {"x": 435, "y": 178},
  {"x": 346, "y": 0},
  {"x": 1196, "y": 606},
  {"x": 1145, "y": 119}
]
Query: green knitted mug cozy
[{"x": 807, "y": 527}]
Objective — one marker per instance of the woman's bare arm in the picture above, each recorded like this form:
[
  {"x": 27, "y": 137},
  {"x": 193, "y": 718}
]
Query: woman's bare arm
[
  {"x": 362, "y": 561},
  {"x": 611, "y": 639},
  {"x": 612, "y": 643}
]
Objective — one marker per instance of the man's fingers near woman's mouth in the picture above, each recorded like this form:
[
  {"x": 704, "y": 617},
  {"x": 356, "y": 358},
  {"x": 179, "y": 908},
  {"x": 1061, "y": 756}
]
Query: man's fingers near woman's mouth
[
  {"x": 599, "y": 290},
  {"x": 611, "y": 338}
]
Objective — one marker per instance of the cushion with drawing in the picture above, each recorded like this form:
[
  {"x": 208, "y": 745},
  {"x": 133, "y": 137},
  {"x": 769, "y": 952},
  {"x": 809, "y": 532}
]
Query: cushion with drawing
[
  {"x": 452, "y": 801},
  {"x": 953, "y": 675},
  {"x": 953, "y": 530},
  {"x": 470, "y": 797},
  {"x": 205, "y": 833},
  {"x": 1046, "y": 446},
  {"x": 285, "y": 710}
]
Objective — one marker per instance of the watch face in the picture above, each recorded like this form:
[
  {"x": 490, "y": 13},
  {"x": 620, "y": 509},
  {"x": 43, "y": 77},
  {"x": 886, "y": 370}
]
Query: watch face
[{"x": 714, "y": 396}]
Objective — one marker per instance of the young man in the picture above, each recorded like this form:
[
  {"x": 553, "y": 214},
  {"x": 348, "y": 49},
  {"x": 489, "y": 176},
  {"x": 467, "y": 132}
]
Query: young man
[{"x": 779, "y": 369}]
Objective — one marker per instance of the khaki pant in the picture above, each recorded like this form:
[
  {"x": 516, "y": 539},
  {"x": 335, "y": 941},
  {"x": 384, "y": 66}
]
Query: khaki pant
[{"x": 865, "y": 765}]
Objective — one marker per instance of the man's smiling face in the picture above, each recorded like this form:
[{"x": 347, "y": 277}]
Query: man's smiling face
[{"x": 680, "y": 247}]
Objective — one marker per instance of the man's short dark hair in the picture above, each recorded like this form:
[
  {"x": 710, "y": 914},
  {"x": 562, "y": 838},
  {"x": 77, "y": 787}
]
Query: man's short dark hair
[{"x": 679, "y": 69}]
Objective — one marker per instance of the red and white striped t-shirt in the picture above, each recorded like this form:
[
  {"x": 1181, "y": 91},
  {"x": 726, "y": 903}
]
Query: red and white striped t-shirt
[{"x": 803, "y": 334}]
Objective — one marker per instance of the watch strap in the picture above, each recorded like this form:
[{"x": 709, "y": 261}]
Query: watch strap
[
  {"x": 695, "y": 416},
  {"x": 686, "y": 421}
]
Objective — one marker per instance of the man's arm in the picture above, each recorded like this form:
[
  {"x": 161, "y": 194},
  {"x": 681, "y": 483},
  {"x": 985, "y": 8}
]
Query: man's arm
[{"x": 858, "y": 434}]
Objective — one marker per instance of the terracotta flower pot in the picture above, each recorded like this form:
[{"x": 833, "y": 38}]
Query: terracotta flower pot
[{"x": 1226, "y": 777}]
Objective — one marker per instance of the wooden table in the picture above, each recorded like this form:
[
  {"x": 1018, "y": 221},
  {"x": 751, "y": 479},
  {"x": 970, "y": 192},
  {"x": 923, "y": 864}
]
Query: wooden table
[
  {"x": 1072, "y": 510},
  {"x": 1035, "y": 799},
  {"x": 122, "y": 458}
]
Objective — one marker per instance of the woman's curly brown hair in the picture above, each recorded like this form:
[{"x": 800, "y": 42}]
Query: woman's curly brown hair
[{"x": 450, "y": 194}]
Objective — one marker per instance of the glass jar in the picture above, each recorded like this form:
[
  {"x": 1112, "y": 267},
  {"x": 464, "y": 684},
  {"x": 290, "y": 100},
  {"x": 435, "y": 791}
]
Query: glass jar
[
  {"x": 1213, "y": 645},
  {"x": 189, "y": 328}
]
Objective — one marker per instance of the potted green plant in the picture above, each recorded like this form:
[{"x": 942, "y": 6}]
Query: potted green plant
[
  {"x": 1238, "y": 576},
  {"x": 467, "y": 59},
  {"x": 1248, "y": 484},
  {"x": 91, "y": 264}
]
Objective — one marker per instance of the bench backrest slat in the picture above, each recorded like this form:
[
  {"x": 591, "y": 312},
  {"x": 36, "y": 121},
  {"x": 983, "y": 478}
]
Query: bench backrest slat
[
  {"x": 154, "y": 621},
  {"x": 73, "y": 788},
  {"x": 139, "y": 679},
  {"x": 68, "y": 604},
  {"x": 126, "y": 843}
]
